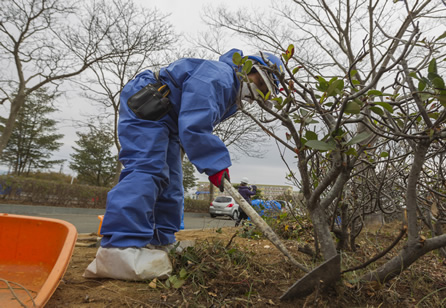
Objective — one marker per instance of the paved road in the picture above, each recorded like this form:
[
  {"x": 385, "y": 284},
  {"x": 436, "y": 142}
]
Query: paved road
[{"x": 86, "y": 220}]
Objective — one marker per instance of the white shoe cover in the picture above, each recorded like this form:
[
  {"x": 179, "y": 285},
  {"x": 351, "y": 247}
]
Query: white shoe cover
[{"x": 129, "y": 264}]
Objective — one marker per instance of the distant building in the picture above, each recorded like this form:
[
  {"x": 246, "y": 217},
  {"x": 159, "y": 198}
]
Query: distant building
[{"x": 271, "y": 192}]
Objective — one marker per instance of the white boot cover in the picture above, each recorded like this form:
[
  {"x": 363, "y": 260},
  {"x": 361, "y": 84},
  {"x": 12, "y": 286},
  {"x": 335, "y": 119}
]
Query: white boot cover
[{"x": 129, "y": 264}]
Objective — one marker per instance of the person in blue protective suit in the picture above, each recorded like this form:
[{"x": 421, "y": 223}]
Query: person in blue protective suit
[
  {"x": 246, "y": 192},
  {"x": 160, "y": 113}
]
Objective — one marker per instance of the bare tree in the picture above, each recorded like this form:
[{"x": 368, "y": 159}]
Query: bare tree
[
  {"x": 45, "y": 42},
  {"x": 145, "y": 37}
]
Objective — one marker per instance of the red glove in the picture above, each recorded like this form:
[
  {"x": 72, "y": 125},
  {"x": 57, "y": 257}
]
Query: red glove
[{"x": 218, "y": 179}]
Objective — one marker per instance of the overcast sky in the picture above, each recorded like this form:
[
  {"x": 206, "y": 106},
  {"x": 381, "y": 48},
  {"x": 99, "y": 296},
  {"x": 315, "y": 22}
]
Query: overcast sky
[{"x": 186, "y": 18}]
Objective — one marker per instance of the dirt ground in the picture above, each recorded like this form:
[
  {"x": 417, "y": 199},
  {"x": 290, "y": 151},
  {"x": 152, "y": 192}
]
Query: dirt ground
[{"x": 255, "y": 281}]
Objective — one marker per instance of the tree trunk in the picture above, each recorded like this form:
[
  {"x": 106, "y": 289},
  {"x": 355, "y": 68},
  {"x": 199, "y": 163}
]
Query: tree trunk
[
  {"x": 439, "y": 231},
  {"x": 344, "y": 235},
  {"x": 408, "y": 255},
  {"x": 118, "y": 172},
  {"x": 16, "y": 104},
  {"x": 322, "y": 230},
  {"x": 211, "y": 192}
]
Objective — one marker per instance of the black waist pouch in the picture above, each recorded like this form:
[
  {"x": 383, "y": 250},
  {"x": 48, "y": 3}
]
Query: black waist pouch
[{"x": 151, "y": 102}]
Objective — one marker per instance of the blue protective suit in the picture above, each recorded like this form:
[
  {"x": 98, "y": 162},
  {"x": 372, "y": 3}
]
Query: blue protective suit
[{"x": 145, "y": 206}]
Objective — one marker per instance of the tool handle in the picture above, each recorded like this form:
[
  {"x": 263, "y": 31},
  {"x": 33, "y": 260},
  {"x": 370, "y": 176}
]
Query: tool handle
[{"x": 261, "y": 224}]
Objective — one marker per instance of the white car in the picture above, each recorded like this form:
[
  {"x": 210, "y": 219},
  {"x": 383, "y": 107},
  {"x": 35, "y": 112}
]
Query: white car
[{"x": 224, "y": 206}]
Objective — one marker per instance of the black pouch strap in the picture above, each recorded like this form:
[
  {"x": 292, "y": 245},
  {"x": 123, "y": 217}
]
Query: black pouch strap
[{"x": 151, "y": 102}]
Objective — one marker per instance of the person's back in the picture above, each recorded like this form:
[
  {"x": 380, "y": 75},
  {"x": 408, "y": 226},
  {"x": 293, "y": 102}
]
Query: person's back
[{"x": 246, "y": 192}]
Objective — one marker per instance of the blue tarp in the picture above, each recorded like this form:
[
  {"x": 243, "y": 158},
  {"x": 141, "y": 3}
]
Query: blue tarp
[{"x": 268, "y": 207}]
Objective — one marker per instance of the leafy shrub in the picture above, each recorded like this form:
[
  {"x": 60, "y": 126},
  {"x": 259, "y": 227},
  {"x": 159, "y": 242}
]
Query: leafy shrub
[
  {"x": 54, "y": 193},
  {"x": 196, "y": 206}
]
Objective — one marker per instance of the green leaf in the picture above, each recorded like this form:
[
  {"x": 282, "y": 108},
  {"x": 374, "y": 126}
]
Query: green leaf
[
  {"x": 322, "y": 85},
  {"x": 287, "y": 100},
  {"x": 310, "y": 135},
  {"x": 335, "y": 87},
  {"x": 278, "y": 106},
  {"x": 374, "y": 92},
  {"x": 279, "y": 102},
  {"x": 438, "y": 83},
  {"x": 442, "y": 99},
  {"x": 351, "y": 151},
  {"x": 352, "y": 107},
  {"x": 432, "y": 76},
  {"x": 413, "y": 75},
  {"x": 384, "y": 154},
  {"x": 296, "y": 69},
  {"x": 425, "y": 96},
  {"x": 386, "y": 106},
  {"x": 359, "y": 138},
  {"x": 320, "y": 145},
  {"x": 338, "y": 133},
  {"x": 353, "y": 73},
  {"x": 247, "y": 67},
  {"x": 432, "y": 66},
  {"x": 176, "y": 282},
  {"x": 441, "y": 36},
  {"x": 427, "y": 81},
  {"x": 260, "y": 93},
  {"x": 290, "y": 51},
  {"x": 421, "y": 85},
  {"x": 377, "y": 110},
  {"x": 333, "y": 79},
  {"x": 237, "y": 59},
  {"x": 433, "y": 115},
  {"x": 183, "y": 273},
  {"x": 267, "y": 95}
]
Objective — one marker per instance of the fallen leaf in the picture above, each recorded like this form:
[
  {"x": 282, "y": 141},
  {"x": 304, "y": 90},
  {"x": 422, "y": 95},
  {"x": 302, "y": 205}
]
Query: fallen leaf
[
  {"x": 348, "y": 285},
  {"x": 152, "y": 284},
  {"x": 370, "y": 293}
]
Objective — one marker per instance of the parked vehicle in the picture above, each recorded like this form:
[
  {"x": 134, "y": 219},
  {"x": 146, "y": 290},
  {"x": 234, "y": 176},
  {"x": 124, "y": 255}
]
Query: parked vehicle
[{"x": 224, "y": 206}]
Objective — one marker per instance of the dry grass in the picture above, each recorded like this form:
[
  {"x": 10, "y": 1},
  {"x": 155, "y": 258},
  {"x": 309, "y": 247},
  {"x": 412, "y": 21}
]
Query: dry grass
[{"x": 250, "y": 272}]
